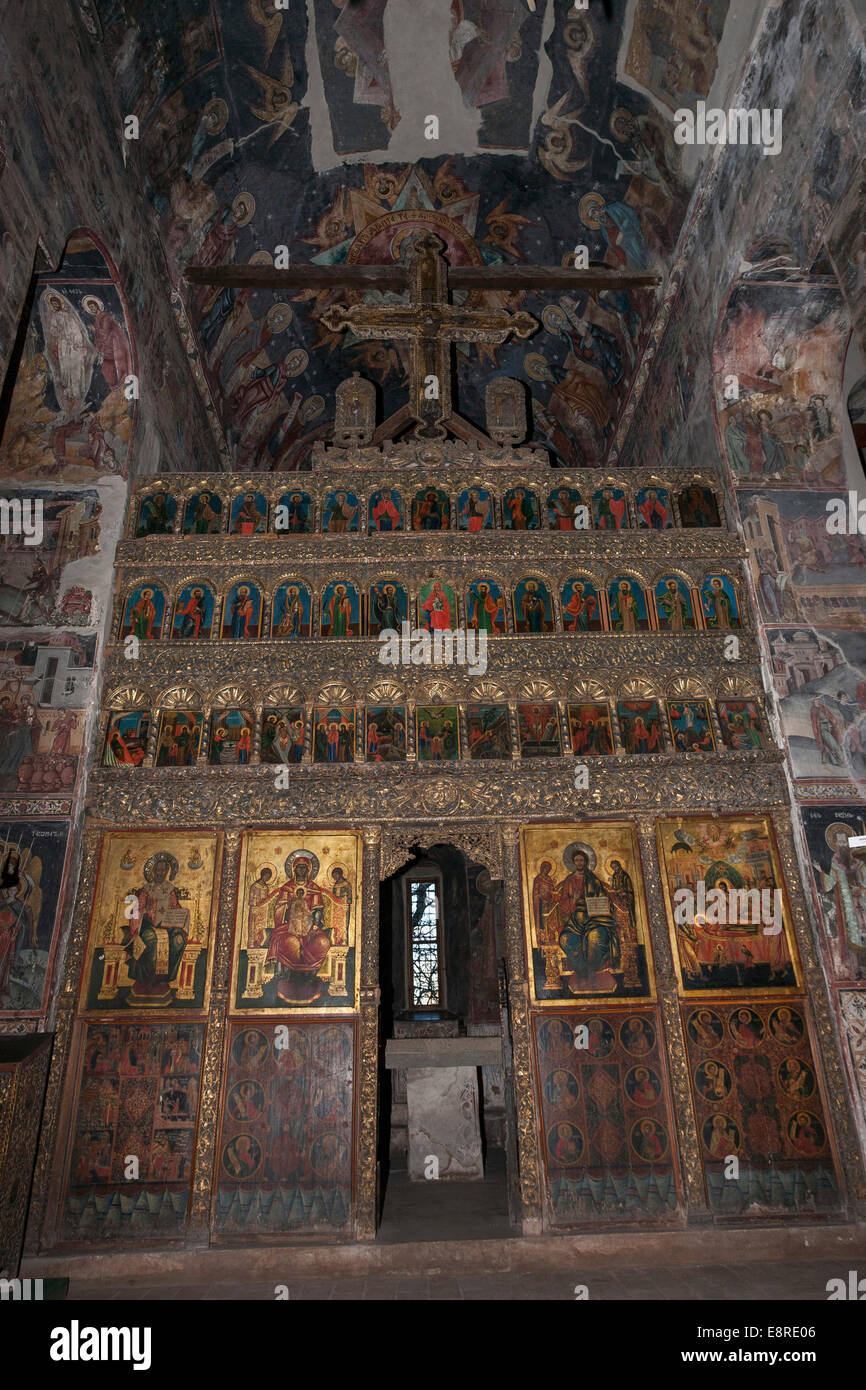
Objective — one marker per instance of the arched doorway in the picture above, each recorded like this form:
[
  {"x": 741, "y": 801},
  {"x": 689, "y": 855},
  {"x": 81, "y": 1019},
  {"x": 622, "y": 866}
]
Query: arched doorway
[{"x": 447, "y": 1159}]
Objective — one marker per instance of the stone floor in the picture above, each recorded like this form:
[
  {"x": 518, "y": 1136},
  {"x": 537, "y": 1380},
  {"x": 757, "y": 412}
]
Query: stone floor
[
  {"x": 780, "y": 1281},
  {"x": 446, "y": 1210}
]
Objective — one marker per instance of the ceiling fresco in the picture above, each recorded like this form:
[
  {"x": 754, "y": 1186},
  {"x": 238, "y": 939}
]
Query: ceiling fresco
[{"x": 570, "y": 144}]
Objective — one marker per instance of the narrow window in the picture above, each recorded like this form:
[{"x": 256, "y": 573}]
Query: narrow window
[{"x": 425, "y": 943}]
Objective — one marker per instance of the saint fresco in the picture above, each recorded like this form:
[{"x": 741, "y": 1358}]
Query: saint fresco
[
  {"x": 152, "y": 922},
  {"x": 32, "y": 859},
  {"x": 297, "y": 922},
  {"x": 728, "y": 912},
  {"x": 839, "y": 877},
  {"x": 584, "y": 912}
]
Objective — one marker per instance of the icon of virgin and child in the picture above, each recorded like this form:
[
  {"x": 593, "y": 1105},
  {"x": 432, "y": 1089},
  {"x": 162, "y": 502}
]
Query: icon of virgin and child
[
  {"x": 298, "y": 922},
  {"x": 587, "y": 916}
]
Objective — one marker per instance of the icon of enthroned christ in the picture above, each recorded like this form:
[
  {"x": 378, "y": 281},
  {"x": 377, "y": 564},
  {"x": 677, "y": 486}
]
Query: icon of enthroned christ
[
  {"x": 301, "y": 920},
  {"x": 158, "y": 931}
]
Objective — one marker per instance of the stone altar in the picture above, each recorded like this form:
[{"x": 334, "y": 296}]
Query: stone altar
[{"x": 442, "y": 1099}]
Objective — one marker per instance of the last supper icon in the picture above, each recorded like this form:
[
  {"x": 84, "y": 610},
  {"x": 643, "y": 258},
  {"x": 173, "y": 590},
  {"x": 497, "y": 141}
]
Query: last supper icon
[
  {"x": 295, "y": 930},
  {"x": 584, "y": 911},
  {"x": 151, "y": 925}
]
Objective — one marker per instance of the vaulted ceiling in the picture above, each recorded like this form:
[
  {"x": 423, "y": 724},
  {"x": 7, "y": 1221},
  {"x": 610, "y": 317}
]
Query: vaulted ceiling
[{"x": 307, "y": 128}]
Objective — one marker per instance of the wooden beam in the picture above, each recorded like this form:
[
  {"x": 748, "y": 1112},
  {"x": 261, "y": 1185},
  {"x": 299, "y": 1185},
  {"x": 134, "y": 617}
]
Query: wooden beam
[
  {"x": 300, "y": 277},
  {"x": 463, "y": 277},
  {"x": 545, "y": 277}
]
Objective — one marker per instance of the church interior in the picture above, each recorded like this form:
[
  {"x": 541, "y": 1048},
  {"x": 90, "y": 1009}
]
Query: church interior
[{"x": 433, "y": 648}]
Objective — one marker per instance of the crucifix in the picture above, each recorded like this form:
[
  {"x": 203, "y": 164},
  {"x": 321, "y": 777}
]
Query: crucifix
[{"x": 430, "y": 323}]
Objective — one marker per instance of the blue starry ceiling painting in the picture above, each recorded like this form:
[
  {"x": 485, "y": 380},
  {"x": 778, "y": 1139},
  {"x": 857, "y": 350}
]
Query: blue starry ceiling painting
[{"x": 298, "y": 128}]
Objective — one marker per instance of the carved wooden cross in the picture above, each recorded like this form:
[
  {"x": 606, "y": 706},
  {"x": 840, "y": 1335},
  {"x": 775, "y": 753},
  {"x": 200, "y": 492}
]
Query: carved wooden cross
[{"x": 430, "y": 324}]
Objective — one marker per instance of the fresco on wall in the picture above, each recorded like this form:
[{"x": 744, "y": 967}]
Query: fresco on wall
[
  {"x": 757, "y": 1096},
  {"x": 493, "y": 51},
  {"x": 286, "y": 1133},
  {"x": 32, "y": 576},
  {"x": 609, "y": 1145},
  {"x": 296, "y": 924},
  {"x": 802, "y": 573},
  {"x": 69, "y": 417},
  {"x": 728, "y": 914},
  {"x": 137, "y": 1097},
  {"x": 820, "y": 681},
  {"x": 32, "y": 860},
  {"x": 852, "y": 1003},
  {"x": 839, "y": 879},
  {"x": 584, "y": 912},
  {"x": 45, "y": 684},
  {"x": 673, "y": 51},
  {"x": 786, "y": 346},
  {"x": 152, "y": 922}
]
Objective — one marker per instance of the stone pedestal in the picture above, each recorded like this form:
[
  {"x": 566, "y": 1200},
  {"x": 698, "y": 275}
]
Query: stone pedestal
[
  {"x": 442, "y": 1103},
  {"x": 443, "y": 1124}
]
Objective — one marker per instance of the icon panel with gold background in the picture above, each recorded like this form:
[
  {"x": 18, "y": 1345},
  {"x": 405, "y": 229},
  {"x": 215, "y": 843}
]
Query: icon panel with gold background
[
  {"x": 299, "y": 896},
  {"x": 585, "y": 912},
  {"x": 152, "y": 923}
]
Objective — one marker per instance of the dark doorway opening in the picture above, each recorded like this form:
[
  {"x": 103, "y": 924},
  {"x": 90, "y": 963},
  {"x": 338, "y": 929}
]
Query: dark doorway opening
[{"x": 447, "y": 1152}]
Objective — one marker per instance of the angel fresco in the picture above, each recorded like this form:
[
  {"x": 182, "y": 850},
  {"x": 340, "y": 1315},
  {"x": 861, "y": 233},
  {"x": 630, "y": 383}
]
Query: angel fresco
[
  {"x": 586, "y": 925},
  {"x": 296, "y": 929}
]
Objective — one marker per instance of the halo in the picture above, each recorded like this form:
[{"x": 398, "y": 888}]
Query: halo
[
  {"x": 578, "y": 847},
  {"x": 297, "y": 362},
  {"x": 258, "y": 871},
  {"x": 591, "y": 207},
  {"x": 215, "y": 115},
  {"x": 835, "y": 827},
  {"x": 244, "y": 207},
  {"x": 93, "y": 299},
  {"x": 307, "y": 854},
  {"x": 150, "y": 865},
  {"x": 553, "y": 318},
  {"x": 261, "y": 258},
  {"x": 536, "y": 366},
  {"x": 621, "y": 124},
  {"x": 311, "y": 409},
  {"x": 279, "y": 317}
]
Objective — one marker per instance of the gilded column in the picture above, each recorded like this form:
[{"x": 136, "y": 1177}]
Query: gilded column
[
  {"x": 518, "y": 1005},
  {"x": 678, "y": 1062},
  {"x": 198, "y": 1224},
  {"x": 368, "y": 1052}
]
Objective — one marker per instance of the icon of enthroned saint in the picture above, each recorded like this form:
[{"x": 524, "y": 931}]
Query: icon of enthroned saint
[{"x": 297, "y": 932}]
